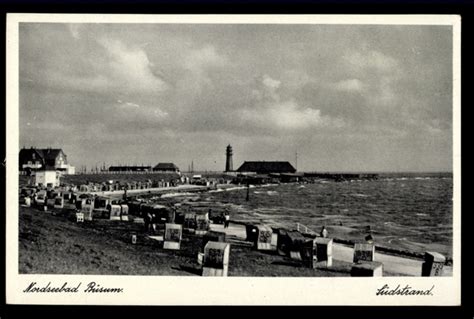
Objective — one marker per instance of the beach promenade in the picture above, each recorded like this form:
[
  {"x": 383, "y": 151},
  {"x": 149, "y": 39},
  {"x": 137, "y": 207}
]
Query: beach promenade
[
  {"x": 392, "y": 264},
  {"x": 156, "y": 190}
]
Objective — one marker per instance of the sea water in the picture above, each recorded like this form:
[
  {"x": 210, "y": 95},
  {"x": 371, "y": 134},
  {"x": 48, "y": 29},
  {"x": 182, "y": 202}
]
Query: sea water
[{"x": 412, "y": 211}]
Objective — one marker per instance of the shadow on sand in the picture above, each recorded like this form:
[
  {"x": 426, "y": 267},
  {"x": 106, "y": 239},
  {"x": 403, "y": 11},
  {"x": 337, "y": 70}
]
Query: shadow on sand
[{"x": 189, "y": 269}]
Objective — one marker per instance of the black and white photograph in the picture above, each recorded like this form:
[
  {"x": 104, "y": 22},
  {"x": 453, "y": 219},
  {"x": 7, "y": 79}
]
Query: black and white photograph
[{"x": 233, "y": 150}]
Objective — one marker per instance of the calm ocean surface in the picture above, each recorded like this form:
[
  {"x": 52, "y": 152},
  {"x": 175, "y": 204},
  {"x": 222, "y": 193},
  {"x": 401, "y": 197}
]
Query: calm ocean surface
[{"x": 412, "y": 212}]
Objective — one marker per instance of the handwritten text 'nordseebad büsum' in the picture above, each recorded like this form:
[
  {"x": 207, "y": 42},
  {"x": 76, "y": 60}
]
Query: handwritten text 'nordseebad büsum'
[{"x": 91, "y": 287}]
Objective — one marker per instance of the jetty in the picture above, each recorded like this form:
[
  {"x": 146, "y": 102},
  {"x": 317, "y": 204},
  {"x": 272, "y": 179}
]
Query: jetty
[{"x": 340, "y": 176}]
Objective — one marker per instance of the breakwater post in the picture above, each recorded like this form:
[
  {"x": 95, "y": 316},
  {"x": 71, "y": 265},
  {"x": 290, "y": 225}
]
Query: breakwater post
[
  {"x": 339, "y": 177},
  {"x": 248, "y": 192}
]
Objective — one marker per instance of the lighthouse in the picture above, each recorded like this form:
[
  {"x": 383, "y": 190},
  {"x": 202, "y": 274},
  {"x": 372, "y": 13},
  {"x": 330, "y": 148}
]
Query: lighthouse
[{"x": 228, "y": 162}]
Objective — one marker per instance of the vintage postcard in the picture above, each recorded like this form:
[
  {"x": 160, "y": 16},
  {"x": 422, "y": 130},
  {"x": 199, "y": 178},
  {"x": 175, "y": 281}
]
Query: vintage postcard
[{"x": 233, "y": 159}]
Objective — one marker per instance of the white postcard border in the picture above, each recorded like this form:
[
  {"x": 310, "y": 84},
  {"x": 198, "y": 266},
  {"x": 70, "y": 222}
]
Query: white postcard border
[{"x": 171, "y": 290}]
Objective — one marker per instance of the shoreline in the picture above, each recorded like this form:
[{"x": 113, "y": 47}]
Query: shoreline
[
  {"x": 340, "y": 240},
  {"x": 180, "y": 192},
  {"x": 378, "y": 248},
  {"x": 53, "y": 243}
]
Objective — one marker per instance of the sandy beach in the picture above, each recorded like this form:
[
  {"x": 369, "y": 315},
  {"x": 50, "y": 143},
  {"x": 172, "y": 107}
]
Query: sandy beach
[{"x": 52, "y": 242}]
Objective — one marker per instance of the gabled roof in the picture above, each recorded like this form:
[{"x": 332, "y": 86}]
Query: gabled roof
[
  {"x": 267, "y": 167},
  {"x": 45, "y": 153},
  {"x": 165, "y": 166},
  {"x": 50, "y": 153},
  {"x": 27, "y": 153},
  {"x": 47, "y": 156}
]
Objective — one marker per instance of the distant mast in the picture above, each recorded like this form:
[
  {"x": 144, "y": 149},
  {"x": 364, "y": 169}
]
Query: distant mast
[
  {"x": 228, "y": 163},
  {"x": 296, "y": 160}
]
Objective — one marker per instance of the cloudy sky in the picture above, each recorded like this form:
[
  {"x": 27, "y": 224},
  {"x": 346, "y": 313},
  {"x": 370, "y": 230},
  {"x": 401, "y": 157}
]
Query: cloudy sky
[{"x": 345, "y": 97}]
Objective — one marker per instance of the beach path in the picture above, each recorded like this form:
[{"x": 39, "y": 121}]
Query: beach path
[
  {"x": 156, "y": 190},
  {"x": 392, "y": 264}
]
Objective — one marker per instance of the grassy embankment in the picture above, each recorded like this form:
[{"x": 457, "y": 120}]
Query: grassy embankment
[{"x": 56, "y": 244}]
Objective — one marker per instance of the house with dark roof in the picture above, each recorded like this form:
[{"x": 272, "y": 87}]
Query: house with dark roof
[
  {"x": 128, "y": 168},
  {"x": 166, "y": 168},
  {"x": 264, "y": 167},
  {"x": 51, "y": 159}
]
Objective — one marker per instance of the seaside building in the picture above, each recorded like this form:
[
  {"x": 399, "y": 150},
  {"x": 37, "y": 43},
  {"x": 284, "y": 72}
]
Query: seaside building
[
  {"x": 264, "y": 167},
  {"x": 41, "y": 159},
  {"x": 166, "y": 168},
  {"x": 228, "y": 162},
  {"x": 126, "y": 168}
]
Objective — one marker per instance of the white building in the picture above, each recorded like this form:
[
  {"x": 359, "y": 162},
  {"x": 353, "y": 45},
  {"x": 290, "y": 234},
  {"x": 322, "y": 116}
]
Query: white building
[
  {"x": 46, "y": 177},
  {"x": 70, "y": 170}
]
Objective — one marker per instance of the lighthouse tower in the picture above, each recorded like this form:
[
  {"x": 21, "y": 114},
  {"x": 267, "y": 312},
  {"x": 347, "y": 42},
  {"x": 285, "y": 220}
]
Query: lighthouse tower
[{"x": 228, "y": 163}]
